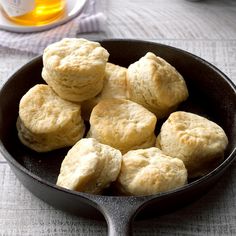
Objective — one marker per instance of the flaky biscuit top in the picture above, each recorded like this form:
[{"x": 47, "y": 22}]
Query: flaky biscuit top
[
  {"x": 194, "y": 131},
  {"x": 114, "y": 82},
  {"x": 41, "y": 110},
  {"x": 89, "y": 166},
  {"x": 149, "y": 171},
  {"x": 121, "y": 122},
  {"x": 73, "y": 55},
  {"x": 197, "y": 141},
  {"x": 155, "y": 84}
]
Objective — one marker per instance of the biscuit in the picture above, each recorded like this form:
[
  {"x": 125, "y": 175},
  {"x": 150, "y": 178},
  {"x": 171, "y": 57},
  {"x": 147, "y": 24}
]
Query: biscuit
[
  {"x": 89, "y": 167},
  {"x": 197, "y": 141},
  {"x": 75, "y": 68},
  {"x": 114, "y": 86},
  {"x": 114, "y": 82},
  {"x": 155, "y": 84},
  {"x": 149, "y": 171},
  {"x": 122, "y": 124},
  {"x": 47, "y": 122}
]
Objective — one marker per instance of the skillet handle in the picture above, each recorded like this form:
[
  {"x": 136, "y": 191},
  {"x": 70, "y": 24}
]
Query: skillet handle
[{"x": 119, "y": 213}]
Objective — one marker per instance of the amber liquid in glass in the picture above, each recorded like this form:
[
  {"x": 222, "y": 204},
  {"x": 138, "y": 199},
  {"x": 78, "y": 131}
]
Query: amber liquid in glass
[{"x": 45, "y": 11}]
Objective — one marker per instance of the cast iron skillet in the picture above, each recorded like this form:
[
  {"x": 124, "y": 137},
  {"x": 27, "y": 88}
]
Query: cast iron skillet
[{"x": 212, "y": 95}]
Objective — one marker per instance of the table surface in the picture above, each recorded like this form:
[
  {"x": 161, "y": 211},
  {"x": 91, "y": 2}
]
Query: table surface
[{"x": 205, "y": 28}]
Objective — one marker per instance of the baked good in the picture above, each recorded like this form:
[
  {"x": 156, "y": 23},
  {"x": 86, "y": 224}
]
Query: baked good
[
  {"x": 149, "y": 171},
  {"x": 114, "y": 82},
  {"x": 122, "y": 124},
  {"x": 114, "y": 86},
  {"x": 47, "y": 122},
  {"x": 197, "y": 141},
  {"x": 74, "y": 68},
  {"x": 155, "y": 84},
  {"x": 89, "y": 167}
]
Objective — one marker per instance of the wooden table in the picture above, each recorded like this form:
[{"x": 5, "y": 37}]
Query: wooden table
[{"x": 205, "y": 28}]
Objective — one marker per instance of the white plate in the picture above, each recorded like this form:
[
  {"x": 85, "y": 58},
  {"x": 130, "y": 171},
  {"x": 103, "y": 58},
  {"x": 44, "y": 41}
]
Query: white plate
[{"x": 73, "y": 8}]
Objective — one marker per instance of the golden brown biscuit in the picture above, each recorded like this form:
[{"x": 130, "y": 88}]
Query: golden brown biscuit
[
  {"x": 155, "y": 84},
  {"x": 75, "y": 68},
  {"x": 122, "y": 124},
  {"x": 47, "y": 122},
  {"x": 197, "y": 141},
  {"x": 114, "y": 82},
  {"x": 89, "y": 166},
  {"x": 114, "y": 86},
  {"x": 149, "y": 171}
]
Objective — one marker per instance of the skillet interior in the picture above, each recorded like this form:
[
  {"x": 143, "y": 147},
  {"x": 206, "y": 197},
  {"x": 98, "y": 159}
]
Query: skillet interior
[{"x": 210, "y": 96}]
